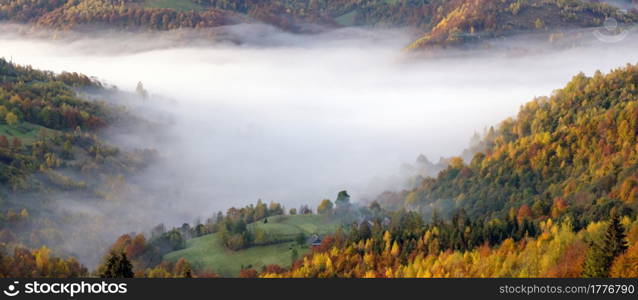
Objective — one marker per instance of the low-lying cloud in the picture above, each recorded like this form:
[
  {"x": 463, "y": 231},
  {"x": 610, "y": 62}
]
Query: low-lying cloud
[{"x": 297, "y": 118}]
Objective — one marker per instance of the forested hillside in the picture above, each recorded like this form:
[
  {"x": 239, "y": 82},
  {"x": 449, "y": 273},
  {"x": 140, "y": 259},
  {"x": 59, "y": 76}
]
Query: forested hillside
[
  {"x": 442, "y": 23},
  {"x": 472, "y": 21},
  {"x": 552, "y": 193},
  {"x": 603, "y": 249},
  {"x": 50, "y": 150},
  {"x": 123, "y": 14},
  {"x": 47, "y": 126},
  {"x": 570, "y": 153}
]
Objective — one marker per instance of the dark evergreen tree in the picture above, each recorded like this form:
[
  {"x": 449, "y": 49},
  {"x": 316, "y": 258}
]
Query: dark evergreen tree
[
  {"x": 343, "y": 201},
  {"x": 187, "y": 272},
  {"x": 600, "y": 256},
  {"x": 116, "y": 266},
  {"x": 615, "y": 238}
]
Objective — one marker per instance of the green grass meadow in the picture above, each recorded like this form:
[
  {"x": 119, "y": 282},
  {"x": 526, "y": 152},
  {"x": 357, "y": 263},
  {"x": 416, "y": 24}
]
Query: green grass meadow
[
  {"x": 173, "y": 4},
  {"x": 207, "y": 252}
]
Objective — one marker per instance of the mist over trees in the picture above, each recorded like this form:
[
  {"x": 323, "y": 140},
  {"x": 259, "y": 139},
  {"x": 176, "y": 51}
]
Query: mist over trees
[
  {"x": 442, "y": 23},
  {"x": 292, "y": 101},
  {"x": 562, "y": 236}
]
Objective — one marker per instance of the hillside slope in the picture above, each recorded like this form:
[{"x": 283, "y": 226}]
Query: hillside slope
[
  {"x": 122, "y": 14},
  {"x": 476, "y": 20},
  {"x": 442, "y": 23},
  {"x": 207, "y": 252},
  {"x": 172, "y": 14},
  {"x": 573, "y": 153},
  {"x": 552, "y": 193},
  {"x": 52, "y": 151}
]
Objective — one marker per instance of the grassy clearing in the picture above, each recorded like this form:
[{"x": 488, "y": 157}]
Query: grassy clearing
[
  {"x": 208, "y": 253},
  {"x": 346, "y": 19},
  {"x": 173, "y": 4},
  {"x": 293, "y": 225},
  {"x": 26, "y": 132}
]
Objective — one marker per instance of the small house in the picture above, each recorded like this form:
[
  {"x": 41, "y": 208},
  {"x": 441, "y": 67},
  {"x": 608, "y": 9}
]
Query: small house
[{"x": 315, "y": 240}]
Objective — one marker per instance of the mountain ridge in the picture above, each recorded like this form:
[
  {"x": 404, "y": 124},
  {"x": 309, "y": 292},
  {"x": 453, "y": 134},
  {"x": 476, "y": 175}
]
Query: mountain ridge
[{"x": 443, "y": 24}]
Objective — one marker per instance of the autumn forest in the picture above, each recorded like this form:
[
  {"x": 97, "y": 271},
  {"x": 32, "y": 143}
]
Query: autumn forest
[{"x": 293, "y": 139}]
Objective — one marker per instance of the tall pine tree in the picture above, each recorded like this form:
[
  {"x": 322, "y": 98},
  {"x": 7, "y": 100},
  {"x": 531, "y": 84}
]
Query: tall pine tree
[
  {"x": 116, "y": 266},
  {"x": 601, "y": 256}
]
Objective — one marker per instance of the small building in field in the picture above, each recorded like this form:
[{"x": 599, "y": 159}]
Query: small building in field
[{"x": 315, "y": 240}]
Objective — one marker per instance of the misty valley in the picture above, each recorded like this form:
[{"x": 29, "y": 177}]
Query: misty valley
[{"x": 318, "y": 138}]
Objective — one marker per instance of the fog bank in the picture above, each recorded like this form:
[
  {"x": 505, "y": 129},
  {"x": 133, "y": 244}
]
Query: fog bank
[{"x": 295, "y": 119}]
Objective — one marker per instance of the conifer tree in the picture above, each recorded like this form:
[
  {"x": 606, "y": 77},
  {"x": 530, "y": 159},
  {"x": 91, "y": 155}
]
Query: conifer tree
[
  {"x": 615, "y": 238},
  {"x": 116, "y": 266},
  {"x": 601, "y": 256}
]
